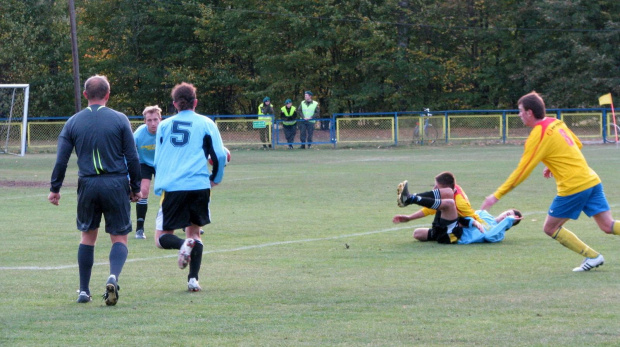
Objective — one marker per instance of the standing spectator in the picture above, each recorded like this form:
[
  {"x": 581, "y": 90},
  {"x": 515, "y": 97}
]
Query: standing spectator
[
  {"x": 289, "y": 122},
  {"x": 145, "y": 143},
  {"x": 579, "y": 188},
  {"x": 184, "y": 142},
  {"x": 265, "y": 113},
  {"x": 309, "y": 111},
  {"x": 106, "y": 153}
]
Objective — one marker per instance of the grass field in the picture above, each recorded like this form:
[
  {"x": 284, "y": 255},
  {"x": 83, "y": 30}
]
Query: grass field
[{"x": 302, "y": 252}]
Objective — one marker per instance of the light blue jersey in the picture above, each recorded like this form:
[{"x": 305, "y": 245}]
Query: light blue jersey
[
  {"x": 494, "y": 232},
  {"x": 145, "y": 143},
  {"x": 184, "y": 142}
]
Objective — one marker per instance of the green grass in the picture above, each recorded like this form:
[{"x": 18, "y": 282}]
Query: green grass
[{"x": 277, "y": 270}]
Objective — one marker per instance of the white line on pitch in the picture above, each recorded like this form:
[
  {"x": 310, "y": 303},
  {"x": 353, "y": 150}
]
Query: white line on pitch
[{"x": 243, "y": 248}]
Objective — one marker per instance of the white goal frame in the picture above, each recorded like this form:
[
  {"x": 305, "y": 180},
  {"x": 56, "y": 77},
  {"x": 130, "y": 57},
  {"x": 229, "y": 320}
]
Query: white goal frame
[{"x": 4, "y": 142}]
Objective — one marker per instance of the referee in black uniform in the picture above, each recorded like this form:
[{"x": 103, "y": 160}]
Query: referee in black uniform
[{"x": 106, "y": 152}]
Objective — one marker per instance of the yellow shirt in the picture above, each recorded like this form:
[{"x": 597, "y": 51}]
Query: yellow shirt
[
  {"x": 463, "y": 207},
  {"x": 553, "y": 143}
]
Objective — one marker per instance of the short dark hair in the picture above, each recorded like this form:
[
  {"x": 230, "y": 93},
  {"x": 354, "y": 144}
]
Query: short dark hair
[
  {"x": 183, "y": 95},
  {"x": 446, "y": 179},
  {"x": 96, "y": 87},
  {"x": 533, "y": 101},
  {"x": 518, "y": 214}
]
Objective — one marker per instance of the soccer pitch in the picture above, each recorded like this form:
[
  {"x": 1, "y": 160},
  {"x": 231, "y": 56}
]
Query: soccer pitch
[{"x": 302, "y": 252}]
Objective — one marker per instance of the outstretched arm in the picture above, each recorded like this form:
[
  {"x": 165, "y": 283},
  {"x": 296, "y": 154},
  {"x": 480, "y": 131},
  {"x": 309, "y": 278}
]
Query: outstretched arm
[
  {"x": 407, "y": 218},
  {"x": 489, "y": 202}
]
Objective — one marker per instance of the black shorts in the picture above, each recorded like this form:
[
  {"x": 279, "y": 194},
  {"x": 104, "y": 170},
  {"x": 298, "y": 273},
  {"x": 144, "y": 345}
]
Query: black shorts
[
  {"x": 442, "y": 233},
  {"x": 105, "y": 195},
  {"x": 183, "y": 208},
  {"x": 147, "y": 172}
]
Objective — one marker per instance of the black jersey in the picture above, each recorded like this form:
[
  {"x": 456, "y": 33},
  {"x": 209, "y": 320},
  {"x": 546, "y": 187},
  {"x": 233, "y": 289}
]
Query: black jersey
[{"x": 104, "y": 145}]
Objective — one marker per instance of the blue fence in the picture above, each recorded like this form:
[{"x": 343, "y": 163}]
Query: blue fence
[{"x": 595, "y": 125}]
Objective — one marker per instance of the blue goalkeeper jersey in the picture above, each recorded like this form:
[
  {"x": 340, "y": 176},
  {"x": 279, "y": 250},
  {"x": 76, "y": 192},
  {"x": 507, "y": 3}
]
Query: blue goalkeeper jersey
[
  {"x": 145, "y": 144},
  {"x": 494, "y": 232},
  {"x": 183, "y": 144}
]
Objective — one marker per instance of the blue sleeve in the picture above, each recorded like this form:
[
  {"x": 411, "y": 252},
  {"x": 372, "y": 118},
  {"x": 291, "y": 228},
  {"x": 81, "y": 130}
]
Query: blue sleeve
[
  {"x": 214, "y": 147},
  {"x": 497, "y": 232}
]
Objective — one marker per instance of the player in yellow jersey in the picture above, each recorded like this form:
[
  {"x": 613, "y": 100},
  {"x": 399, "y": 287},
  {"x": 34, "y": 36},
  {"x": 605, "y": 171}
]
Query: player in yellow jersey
[
  {"x": 579, "y": 187},
  {"x": 447, "y": 201}
]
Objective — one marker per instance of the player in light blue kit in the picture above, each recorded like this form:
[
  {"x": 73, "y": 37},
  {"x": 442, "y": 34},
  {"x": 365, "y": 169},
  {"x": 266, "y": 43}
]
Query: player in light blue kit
[
  {"x": 183, "y": 144},
  {"x": 495, "y": 227},
  {"x": 145, "y": 144}
]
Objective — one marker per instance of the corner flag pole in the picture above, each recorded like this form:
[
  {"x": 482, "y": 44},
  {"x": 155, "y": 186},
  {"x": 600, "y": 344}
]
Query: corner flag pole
[
  {"x": 613, "y": 114},
  {"x": 607, "y": 100}
]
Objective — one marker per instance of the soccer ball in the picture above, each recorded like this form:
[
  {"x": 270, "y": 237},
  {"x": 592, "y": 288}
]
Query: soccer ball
[{"x": 227, "y": 157}]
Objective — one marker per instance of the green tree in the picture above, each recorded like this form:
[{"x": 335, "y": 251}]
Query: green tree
[{"x": 36, "y": 50}]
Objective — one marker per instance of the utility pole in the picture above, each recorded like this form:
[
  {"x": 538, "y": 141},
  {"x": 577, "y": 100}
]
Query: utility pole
[{"x": 76, "y": 59}]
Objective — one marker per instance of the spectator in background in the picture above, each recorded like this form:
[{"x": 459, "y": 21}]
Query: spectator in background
[
  {"x": 289, "y": 122},
  {"x": 106, "y": 153},
  {"x": 265, "y": 113},
  {"x": 309, "y": 111}
]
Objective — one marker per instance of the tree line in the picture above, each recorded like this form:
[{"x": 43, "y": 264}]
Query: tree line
[{"x": 355, "y": 56}]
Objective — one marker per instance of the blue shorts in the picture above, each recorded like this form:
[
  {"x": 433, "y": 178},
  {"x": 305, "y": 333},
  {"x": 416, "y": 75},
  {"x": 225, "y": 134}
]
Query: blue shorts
[{"x": 591, "y": 201}]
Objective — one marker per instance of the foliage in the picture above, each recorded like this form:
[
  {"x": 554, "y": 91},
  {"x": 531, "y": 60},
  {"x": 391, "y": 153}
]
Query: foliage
[{"x": 356, "y": 56}]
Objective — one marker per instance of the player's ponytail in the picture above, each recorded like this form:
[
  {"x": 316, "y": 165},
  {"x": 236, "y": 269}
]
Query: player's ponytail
[{"x": 183, "y": 96}]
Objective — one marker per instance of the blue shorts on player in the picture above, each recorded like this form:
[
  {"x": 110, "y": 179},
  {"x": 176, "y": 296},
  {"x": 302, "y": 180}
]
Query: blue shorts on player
[{"x": 591, "y": 201}]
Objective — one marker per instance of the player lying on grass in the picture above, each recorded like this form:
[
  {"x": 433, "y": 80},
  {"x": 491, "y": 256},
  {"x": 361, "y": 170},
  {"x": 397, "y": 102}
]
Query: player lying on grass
[
  {"x": 468, "y": 230},
  {"x": 446, "y": 212},
  {"x": 494, "y": 230}
]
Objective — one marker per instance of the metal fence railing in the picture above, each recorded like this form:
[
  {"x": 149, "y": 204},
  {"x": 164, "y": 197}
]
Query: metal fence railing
[{"x": 365, "y": 129}]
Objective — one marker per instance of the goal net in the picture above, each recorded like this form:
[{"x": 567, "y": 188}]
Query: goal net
[{"x": 13, "y": 118}]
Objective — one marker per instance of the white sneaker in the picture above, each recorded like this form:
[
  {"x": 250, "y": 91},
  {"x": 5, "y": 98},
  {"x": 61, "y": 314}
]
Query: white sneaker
[
  {"x": 590, "y": 263},
  {"x": 140, "y": 234},
  {"x": 185, "y": 252},
  {"x": 193, "y": 286},
  {"x": 84, "y": 297}
]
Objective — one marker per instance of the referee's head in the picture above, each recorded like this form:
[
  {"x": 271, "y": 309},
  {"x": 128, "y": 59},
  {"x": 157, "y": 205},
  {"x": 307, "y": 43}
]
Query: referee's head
[{"x": 97, "y": 88}]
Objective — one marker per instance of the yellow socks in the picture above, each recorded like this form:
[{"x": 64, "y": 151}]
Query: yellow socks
[
  {"x": 572, "y": 242},
  {"x": 615, "y": 228}
]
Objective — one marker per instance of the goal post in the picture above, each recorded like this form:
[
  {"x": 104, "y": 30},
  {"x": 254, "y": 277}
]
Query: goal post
[{"x": 13, "y": 118}]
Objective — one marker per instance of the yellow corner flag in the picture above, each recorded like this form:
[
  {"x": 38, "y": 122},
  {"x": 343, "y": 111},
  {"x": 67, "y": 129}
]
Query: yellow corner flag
[{"x": 605, "y": 99}]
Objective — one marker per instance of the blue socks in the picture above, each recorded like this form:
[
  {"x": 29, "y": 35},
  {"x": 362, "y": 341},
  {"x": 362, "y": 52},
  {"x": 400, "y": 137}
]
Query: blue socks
[
  {"x": 118, "y": 256},
  {"x": 86, "y": 259}
]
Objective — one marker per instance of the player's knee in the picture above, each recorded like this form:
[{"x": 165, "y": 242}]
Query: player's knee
[
  {"x": 157, "y": 242},
  {"x": 420, "y": 234}
]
